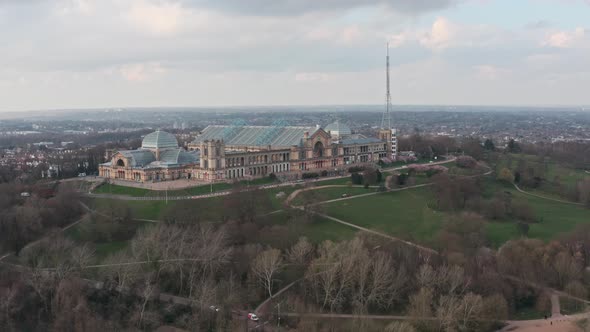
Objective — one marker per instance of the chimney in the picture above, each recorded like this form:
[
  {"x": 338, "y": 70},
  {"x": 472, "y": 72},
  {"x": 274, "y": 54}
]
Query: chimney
[{"x": 306, "y": 135}]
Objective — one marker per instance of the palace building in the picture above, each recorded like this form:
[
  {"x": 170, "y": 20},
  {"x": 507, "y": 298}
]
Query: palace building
[
  {"x": 159, "y": 158},
  {"x": 240, "y": 151}
]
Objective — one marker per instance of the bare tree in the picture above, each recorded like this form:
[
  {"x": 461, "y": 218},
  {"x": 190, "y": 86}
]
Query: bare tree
[
  {"x": 566, "y": 268},
  {"x": 117, "y": 271},
  {"x": 377, "y": 281},
  {"x": 82, "y": 256},
  {"x": 300, "y": 252},
  {"x": 147, "y": 292},
  {"x": 421, "y": 307},
  {"x": 264, "y": 267},
  {"x": 192, "y": 253},
  {"x": 400, "y": 327}
]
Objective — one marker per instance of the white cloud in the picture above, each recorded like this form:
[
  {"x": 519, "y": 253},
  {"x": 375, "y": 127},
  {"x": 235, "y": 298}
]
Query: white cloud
[
  {"x": 564, "y": 39},
  {"x": 445, "y": 34},
  {"x": 159, "y": 18},
  {"x": 441, "y": 35}
]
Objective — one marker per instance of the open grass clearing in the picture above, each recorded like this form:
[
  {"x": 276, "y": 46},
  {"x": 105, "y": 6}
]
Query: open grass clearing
[
  {"x": 325, "y": 194},
  {"x": 558, "y": 178},
  {"x": 201, "y": 189},
  {"x": 406, "y": 214},
  {"x": 88, "y": 232}
]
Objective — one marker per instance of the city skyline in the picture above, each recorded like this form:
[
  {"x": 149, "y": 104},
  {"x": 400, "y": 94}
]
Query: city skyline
[{"x": 146, "y": 53}]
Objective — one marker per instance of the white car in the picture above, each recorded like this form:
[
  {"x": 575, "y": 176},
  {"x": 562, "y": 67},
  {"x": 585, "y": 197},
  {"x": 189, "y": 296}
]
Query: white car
[{"x": 253, "y": 317}]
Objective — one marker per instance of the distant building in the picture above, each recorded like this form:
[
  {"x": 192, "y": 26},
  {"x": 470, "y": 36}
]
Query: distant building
[
  {"x": 159, "y": 158},
  {"x": 241, "y": 151}
]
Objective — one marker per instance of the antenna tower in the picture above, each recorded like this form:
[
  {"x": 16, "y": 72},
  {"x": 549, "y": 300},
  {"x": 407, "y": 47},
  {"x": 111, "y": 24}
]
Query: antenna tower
[{"x": 386, "y": 118}]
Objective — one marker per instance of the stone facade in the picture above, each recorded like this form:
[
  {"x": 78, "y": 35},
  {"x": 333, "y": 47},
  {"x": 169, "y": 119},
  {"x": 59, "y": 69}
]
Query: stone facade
[{"x": 215, "y": 160}]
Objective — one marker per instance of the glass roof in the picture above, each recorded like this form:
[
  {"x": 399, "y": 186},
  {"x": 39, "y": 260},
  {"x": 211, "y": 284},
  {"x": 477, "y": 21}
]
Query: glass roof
[
  {"x": 159, "y": 140},
  {"x": 256, "y": 135}
]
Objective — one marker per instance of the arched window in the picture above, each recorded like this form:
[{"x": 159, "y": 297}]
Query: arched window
[
  {"x": 120, "y": 162},
  {"x": 318, "y": 150}
]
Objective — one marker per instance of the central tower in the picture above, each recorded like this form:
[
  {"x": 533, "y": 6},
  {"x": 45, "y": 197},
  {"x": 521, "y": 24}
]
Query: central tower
[{"x": 387, "y": 133}]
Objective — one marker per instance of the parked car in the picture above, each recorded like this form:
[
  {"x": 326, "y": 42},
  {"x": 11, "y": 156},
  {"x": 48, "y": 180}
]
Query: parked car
[
  {"x": 214, "y": 308},
  {"x": 253, "y": 317}
]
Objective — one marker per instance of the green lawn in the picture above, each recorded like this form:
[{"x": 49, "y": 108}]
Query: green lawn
[
  {"x": 114, "y": 189},
  {"x": 79, "y": 234},
  {"x": 207, "y": 208},
  {"x": 403, "y": 213},
  {"x": 527, "y": 314},
  {"x": 103, "y": 250},
  {"x": 554, "y": 217},
  {"x": 568, "y": 177},
  {"x": 318, "y": 230},
  {"x": 406, "y": 214},
  {"x": 339, "y": 181},
  {"x": 326, "y": 194}
]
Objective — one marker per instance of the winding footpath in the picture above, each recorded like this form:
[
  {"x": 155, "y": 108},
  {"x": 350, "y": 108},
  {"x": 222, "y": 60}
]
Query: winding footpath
[{"x": 545, "y": 197}]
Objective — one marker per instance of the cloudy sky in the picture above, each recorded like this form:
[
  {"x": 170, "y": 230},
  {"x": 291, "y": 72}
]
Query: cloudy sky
[{"x": 122, "y": 53}]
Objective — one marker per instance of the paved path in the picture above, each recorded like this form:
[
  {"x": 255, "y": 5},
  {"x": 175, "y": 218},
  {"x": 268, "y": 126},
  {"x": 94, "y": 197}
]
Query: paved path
[
  {"x": 545, "y": 197},
  {"x": 261, "y": 306},
  {"x": 555, "y": 307},
  {"x": 539, "y": 324},
  {"x": 350, "y": 316},
  {"x": 387, "y": 236}
]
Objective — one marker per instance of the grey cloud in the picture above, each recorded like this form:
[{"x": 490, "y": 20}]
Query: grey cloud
[{"x": 298, "y": 7}]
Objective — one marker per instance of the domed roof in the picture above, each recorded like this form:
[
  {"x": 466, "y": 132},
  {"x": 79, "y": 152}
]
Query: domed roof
[
  {"x": 338, "y": 128},
  {"x": 159, "y": 140}
]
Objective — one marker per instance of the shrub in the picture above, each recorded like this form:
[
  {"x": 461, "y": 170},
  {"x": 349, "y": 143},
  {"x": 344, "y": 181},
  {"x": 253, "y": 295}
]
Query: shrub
[
  {"x": 310, "y": 175},
  {"x": 356, "y": 178},
  {"x": 402, "y": 179},
  {"x": 466, "y": 162},
  {"x": 524, "y": 212},
  {"x": 506, "y": 176},
  {"x": 355, "y": 169}
]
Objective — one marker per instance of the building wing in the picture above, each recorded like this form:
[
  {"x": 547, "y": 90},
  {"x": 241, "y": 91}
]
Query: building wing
[{"x": 260, "y": 136}]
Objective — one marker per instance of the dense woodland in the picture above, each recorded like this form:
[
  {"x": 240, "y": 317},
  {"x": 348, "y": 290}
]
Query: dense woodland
[{"x": 237, "y": 260}]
